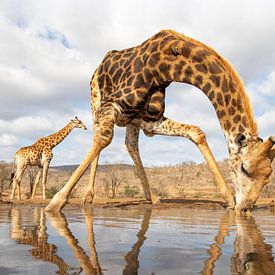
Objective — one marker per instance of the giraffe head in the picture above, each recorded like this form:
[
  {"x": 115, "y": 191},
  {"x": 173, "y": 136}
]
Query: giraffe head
[
  {"x": 78, "y": 123},
  {"x": 250, "y": 168}
]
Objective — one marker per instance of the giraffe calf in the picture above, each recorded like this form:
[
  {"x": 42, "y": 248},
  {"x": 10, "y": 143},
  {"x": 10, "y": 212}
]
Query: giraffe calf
[{"x": 40, "y": 154}]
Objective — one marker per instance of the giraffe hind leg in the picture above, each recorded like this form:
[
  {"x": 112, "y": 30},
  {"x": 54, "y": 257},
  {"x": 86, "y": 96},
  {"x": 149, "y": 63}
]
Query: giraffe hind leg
[
  {"x": 169, "y": 127},
  {"x": 131, "y": 143},
  {"x": 17, "y": 180},
  {"x": 36, "y": 183},
  {"x": 89, "y": 194}
]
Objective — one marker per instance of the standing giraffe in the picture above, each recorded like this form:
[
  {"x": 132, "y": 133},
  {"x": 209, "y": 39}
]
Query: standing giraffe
[
  {"x": 128, "y": 89},
  {"x": 40, "y": 154}
]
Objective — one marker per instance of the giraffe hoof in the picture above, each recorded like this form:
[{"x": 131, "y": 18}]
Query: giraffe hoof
[
  {"x": 56, "y": 204},
  {"x": 88, "y": 198},
  {"x": 155, "y": 200}
]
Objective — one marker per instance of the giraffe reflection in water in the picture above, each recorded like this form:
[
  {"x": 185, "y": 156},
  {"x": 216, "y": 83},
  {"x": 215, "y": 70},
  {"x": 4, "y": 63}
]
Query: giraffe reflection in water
[
  {"x": 251, "y": 254},
  {"x": 88, "y": 265},
  {"x": 37, "y": 237}
]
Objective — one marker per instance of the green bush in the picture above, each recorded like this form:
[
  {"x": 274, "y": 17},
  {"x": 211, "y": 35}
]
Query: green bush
[{"x": 130, "y": 191}]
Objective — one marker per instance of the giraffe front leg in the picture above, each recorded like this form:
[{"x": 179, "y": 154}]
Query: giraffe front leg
[
  {"x": 89, "y": 195},
  {"x": 171, "y": 128},
  {"x": 44, "y": 178},
  {"x": 131, "y": 143},
  {"x": 102, "y": 138}
]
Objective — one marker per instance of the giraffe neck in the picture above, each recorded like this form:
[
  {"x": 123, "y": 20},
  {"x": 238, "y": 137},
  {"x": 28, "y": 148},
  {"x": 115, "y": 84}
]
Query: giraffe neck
[
  {"x": 201, "y": 66},
  {"x": 59, "y": 136}
]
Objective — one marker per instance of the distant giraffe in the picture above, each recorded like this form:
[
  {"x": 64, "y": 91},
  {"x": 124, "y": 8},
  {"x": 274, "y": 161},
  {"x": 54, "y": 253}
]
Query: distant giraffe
[
  {"x": 128, "y": 89},
  {"x": 40, "y": 154}
]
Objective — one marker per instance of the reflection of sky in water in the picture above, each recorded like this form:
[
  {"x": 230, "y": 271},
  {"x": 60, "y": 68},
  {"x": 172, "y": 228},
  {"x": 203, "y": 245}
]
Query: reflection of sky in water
[{"x": 177, "y": 240}]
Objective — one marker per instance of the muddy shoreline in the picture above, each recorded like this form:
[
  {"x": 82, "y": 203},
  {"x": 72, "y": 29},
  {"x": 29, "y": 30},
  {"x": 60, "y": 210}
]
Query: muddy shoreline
[{"x": 207, "y": 204}]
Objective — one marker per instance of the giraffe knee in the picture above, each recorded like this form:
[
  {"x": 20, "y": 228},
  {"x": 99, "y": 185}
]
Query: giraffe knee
[{"x": 197, "y": 135}]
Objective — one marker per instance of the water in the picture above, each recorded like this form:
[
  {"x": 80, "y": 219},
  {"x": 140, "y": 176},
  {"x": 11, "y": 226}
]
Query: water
[{"x": 120, "y": 241}]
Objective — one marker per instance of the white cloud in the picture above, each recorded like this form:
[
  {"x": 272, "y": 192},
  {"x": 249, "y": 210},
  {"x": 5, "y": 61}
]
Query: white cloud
[{"x": 8, "y": 140}]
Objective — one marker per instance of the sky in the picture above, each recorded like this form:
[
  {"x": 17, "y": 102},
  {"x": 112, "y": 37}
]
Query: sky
[{"x": 50, "y": 49}]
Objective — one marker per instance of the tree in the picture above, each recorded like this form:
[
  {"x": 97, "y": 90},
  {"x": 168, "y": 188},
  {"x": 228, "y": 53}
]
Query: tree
[{"x": 112, "y": 180}]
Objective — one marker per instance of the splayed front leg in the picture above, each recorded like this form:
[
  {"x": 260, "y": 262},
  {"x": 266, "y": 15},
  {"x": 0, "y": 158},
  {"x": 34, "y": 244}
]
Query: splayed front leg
[
  {"x": 169, "y": 127},
  {"x": 103, "y": 136},
  {"x": 60, "y": 198}
]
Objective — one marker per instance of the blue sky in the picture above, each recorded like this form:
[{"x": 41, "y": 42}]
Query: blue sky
[{"x": 49, "y": 50}]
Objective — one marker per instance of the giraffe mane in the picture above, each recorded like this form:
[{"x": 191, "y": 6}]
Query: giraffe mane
[{"x": 230, "y": 69}]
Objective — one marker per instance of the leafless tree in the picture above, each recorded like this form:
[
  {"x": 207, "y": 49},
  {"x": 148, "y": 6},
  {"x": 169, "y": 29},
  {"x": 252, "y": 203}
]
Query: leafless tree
[{"x": 112, "y": 180}]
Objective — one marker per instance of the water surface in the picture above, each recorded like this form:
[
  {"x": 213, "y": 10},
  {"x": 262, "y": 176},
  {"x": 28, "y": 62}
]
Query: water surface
[{"x": 149, "y": 241}]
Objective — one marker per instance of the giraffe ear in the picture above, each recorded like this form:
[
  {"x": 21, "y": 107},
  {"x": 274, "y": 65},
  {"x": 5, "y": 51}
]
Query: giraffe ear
[
  {"x": 175, "y": 50},
  {"x": 240, "y": 140}
]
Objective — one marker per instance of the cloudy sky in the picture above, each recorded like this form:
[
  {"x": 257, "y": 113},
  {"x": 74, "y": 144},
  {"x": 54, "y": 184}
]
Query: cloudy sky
[{"x": 49, "y": 50}]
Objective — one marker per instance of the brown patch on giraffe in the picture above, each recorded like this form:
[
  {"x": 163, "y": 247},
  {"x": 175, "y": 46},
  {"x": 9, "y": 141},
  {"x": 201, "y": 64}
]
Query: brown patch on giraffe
[
  {"x": 216, "y": 80},
  {"x": 234, "y": 102},
  {"x": 114, "y": 67},
  {"x": 227, "y": 99},
  {"x": 220, "y": 114},
  {"x": 203, "y": 53},
  {"x": 127, "y": 90},
  {"x": 163, "y": 67},
  {"x": 197, "y": 58},
  {"x": 154, "y": 47},
  {"x": 241, "y": 129},
  {"x": 198, "y": 80},
  {"x": 178, "y": 67},
  {"x": 206, "y": 88},
  {"x": 130, "y": 98},
  {"x": 106, "y": 133},
  {"x": 147, "y": 74},
  {"x": 239, "y": 104},
  {"x": 214, "y": 68},
  {"x": 121, "y": 61},
  {"x": 231, "y": 111},
  {"x": 219, "y": 98},
  {"x": 227, "y": 125},
  {"x": 116, "y": 57},
  {"x": 188, "y": 72},
  {"x": 201, "y": 68},
  {"x": 117, "y": 76},
  {"x": 154, "y": 59},
  {"x": 237, "y": 118},
  {"x": 224, "y": 85},
  {"x": 118, "y": 94},
  {"x": 232, "y": 85},
  {"x": 139, "y": 81},
  {"x": 244, "y": 121},
  {"x": 186, "y": 51},
  {"x": 130, "y": 80},
  {"x": 211, "y": 95},
  {"x": 144, "y": 48},
  {"x": 138, "y": 64}
]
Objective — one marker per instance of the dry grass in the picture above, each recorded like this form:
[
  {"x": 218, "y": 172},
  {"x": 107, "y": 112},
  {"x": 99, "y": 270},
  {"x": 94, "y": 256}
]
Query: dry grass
[{"x": 187, "y": 180}]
